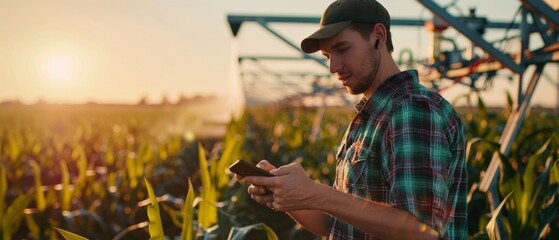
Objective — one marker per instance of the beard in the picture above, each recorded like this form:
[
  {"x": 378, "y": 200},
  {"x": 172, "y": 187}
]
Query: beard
[{"x": 370, "y": 66}]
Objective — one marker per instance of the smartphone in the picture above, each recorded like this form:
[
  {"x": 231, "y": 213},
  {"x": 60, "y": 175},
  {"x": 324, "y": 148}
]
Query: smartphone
[{"x": 244, "y": 169}]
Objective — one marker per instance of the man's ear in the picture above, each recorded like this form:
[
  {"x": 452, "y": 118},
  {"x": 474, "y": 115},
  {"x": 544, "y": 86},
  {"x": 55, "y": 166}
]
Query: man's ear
[{"x": 379, "y": 32}]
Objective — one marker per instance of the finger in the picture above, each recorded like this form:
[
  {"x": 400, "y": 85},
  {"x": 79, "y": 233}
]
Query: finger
[
  {"x": 286, "y": 169},
  {"x": 276, "y": 207},
  {"x": 265, "y": 165},
  {"x": 256, "y": 190},
  {"x": 263, "y": 199},
  {"x": 239, "y": 177},
  {"x": 260, "y": 181}
]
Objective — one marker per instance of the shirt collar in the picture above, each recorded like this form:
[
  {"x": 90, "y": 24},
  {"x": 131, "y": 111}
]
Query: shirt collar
[{"x": 391, "y": 86}]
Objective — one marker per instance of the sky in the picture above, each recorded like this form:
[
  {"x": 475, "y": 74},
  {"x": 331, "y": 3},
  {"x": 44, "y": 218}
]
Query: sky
[{"x": 68, "y": 51}]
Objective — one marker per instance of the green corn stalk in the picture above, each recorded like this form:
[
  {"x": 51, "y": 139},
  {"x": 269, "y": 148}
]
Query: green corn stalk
[
  {"x": 109, "y": 156},
  {"x": 230, "y": 154},
  {"x": 66, "y": 194},
  {"x": 492, "y": 225},
  {"x": 68, "y": 235},
  {"x": 33, "y": 227},
  {"x": 482, "y": 108},
  {"x": 207, "y": 212},
  {"x": 188, "y": 213},
  {"x": 554, "y": 178},
  {"x": 530, "y": 193},
  {"x": 155, "y": 225},
  {"x": 14, "y": 214},
  {"x": 131, "y": 170},
  {"x": 297, "y": 138},
  {"x": 15, "y": 147},
  {"x": 41, "y": 202},
  {"x": 81, "y": 163},
  {"x": 3, "y": 190}
]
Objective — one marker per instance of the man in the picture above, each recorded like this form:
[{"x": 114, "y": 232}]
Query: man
[{"x": 400, "y": 170}]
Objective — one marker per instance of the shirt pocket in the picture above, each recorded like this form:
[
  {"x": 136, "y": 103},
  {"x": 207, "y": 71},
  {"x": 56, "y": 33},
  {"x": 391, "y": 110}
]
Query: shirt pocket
[{"x": 350, "y": 171}]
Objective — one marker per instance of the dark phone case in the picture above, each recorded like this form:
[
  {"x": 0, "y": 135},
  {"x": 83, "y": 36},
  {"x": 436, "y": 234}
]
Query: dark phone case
[{"x": 244, "y": 169}]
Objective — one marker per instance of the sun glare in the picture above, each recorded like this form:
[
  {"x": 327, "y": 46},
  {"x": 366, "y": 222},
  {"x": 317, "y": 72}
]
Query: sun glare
[{"x": 58, "y": 68}]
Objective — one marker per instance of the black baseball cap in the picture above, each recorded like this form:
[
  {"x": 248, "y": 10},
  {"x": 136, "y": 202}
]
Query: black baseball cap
[{"x": 341, "y": 14}]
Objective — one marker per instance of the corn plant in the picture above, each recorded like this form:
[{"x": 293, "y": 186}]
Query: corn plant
[
  {"x": 40, "y": 199},
  {"x": 97, "y": 157},
  {"x": 3, "y": 189},
  {"x": 188, "y": 214},
  {"x": 14, "y": 214},
  {"x": 155, "y": 226},
  {"x": 531, "y": 186},
  {"x": 207, "y": 213},
  {"x": 66, "y": 194},
  {"x": 492, "y": 225}
]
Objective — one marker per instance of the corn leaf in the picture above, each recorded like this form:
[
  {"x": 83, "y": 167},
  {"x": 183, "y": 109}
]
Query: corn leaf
[
  {"x": 41, "y": 202},
  {"x": 492, "y": 225},
  {"x": 188, "y": 213},
  {"x": 69, "y": 235},
  {"x": 269, "y": 232},
  {"x": 241, "y": 233},
  {"x": 14, "y": 214},
  {"x": 3, "y": 190},
  {"x": 530, "y": 190},
  {"x": 32, "y": 226},
  {"x": 510, "y": 102},
  {"x": 554, "y": 179},
  {"x": 207, "y": 212},
  {"x": 482, "y": 108},
  {"x": 131, "y": 170},
  {"x": 155, "y": 225},
  {"x": 81, "y": 163},
  {"x": 230, "y": 153},
  {"x": 66, "y": 194},
  {"x": 495, "y": 146},
  {"x": 14, "y": 148}
]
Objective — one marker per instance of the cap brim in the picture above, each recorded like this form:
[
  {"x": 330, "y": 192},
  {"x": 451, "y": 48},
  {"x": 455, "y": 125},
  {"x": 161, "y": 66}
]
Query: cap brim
[{"x": 311, "y": 43}]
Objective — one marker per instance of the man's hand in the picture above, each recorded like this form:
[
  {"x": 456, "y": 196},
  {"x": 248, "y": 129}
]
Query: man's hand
[
  {"x": 259, "y": 193},
  {"x": 291, "y": 186}
]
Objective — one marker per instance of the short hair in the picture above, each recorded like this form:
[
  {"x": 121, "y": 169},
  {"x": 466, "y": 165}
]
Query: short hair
[{"x": 364, "y": 29}]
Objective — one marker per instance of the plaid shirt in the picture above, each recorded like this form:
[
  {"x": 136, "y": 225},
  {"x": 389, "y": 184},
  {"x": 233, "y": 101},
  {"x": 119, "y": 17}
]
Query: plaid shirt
[{"x": 405, "y": 148}]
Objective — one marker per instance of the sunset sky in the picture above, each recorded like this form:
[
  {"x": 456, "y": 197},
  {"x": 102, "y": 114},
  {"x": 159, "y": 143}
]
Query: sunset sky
[{"x": 67, "y": 51}]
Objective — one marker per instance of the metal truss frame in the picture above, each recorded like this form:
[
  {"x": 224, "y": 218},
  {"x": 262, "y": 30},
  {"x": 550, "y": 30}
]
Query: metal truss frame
[
  {"x": 537, "y": 10},
  {"x": 544, "y": 22}
]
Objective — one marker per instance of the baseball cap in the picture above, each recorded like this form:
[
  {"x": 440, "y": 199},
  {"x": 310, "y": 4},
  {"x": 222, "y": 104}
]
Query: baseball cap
[{"x": 341, "y": 14}]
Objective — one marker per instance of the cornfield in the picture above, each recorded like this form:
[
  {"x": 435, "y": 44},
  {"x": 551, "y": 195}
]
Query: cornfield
[{"x": 139, "y": 173}]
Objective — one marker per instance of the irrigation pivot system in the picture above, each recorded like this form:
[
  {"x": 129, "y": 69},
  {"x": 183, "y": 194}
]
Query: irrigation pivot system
[{"x": 538, "y": 37}]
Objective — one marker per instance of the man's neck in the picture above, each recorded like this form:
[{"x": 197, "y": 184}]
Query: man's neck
[{"x": 386, "y": 70}]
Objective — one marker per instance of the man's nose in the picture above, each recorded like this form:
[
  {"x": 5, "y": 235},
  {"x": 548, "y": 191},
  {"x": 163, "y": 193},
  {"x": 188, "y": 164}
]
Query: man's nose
[{"x": 335, "y": 65}]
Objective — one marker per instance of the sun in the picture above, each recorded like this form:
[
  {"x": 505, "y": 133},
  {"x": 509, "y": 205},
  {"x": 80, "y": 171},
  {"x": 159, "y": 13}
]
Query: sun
[{"x": 58, "y": 68}]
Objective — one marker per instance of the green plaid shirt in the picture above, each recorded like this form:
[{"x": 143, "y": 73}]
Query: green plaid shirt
[{"x": 405, "y": 148}]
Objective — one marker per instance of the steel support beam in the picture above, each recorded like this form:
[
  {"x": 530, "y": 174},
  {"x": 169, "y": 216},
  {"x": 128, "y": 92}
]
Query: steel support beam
[
  {"x": 264, "y": 24},
  {"x": 239, "y": 19},
  {"x": 544, "y": 10}
]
